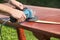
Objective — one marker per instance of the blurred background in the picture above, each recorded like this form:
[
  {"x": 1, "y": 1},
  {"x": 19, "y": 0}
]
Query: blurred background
[
  {"x": 46, "y": 3},
  {"x": 9, "y": 33}
]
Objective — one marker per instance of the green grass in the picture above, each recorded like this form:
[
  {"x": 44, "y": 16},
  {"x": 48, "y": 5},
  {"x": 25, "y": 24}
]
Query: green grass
[{"x": 9, "y": 33}]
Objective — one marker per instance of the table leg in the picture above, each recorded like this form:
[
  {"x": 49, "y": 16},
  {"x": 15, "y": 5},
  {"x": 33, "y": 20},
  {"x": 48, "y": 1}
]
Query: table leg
[{"x": 21, "y": 34}]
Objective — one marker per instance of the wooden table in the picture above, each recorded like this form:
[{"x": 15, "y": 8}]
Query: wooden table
[{"x": 40, "y": 30}]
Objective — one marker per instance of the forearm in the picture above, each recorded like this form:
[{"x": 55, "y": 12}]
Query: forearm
[{"x": 7, "y": 9}]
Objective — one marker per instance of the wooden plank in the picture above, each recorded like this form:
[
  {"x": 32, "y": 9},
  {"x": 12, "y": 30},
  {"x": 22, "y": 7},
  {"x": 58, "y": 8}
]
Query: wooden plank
[{"x": 43, "y": 13}]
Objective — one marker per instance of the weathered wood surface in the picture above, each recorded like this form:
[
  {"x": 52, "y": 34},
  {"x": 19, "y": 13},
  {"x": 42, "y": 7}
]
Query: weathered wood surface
[
  {"x": 43, "y": 13},
  {"x": 48, "y": 14}
]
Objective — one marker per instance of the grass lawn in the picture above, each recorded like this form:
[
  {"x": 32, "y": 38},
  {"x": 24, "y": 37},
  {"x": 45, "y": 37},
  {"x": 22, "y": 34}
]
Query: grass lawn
[{"x": 9, "y": 33}]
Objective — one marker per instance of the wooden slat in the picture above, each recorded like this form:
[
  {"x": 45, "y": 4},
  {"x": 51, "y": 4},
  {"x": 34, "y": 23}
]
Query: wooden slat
[{"x": 43, "y": 13}]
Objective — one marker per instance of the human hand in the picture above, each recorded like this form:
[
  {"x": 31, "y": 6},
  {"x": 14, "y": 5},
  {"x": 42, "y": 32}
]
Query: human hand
[
  {"x": 19, "y": 15},
  {"x": 10, "y": 11},
  {"x": 17, "y": 4}
]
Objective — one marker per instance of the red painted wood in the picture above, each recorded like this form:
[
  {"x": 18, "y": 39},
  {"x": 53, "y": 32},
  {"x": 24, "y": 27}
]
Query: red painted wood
[
  {"x": 54, "y": 29},
  {"x": 48, "y": 14},
  {"x": 43, "y": 13},
  {"x": 21, "y": 34}
]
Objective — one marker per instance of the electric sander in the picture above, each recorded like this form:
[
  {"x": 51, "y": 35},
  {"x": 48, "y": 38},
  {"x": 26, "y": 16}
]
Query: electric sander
[{"x": 29, "y": 15}]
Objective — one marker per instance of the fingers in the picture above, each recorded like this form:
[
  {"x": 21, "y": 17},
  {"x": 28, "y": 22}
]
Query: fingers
[
  {"x": 17, "y": 4},
  {"x": 22, "y": 19},
  {"x": 20, "y": 5}
]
